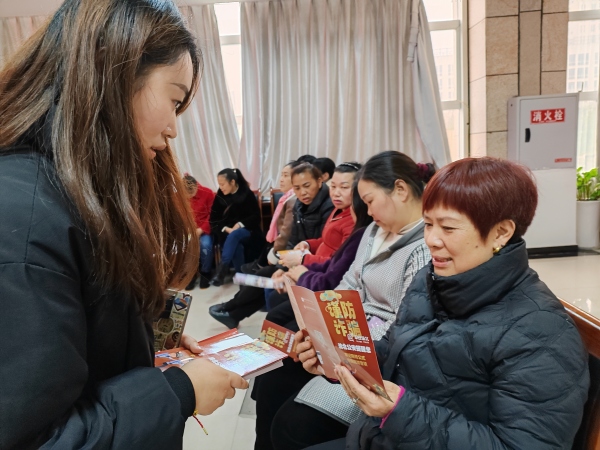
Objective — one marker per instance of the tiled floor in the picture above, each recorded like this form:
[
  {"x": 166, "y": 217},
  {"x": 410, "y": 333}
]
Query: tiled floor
[
  {"x": 226, "y": 429},
  {"x": 576, "y": 279}
]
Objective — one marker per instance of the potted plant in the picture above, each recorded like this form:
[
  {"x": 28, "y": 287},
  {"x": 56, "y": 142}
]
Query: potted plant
[{"x": 588, "y": 208}]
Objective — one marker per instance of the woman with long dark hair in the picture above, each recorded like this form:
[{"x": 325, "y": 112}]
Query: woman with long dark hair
[
  {"x": 97, "y": 225},
  {"x": 235, "y": 220}
]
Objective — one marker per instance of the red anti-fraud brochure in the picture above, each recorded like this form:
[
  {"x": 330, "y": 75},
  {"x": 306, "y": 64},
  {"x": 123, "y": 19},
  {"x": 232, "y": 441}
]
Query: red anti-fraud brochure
[
  {"x": 349, "y": 330},
  {"x": 337, "y": 325},
  {"x": 314, "y": 323},
  {"x": 279, "y": 337}
]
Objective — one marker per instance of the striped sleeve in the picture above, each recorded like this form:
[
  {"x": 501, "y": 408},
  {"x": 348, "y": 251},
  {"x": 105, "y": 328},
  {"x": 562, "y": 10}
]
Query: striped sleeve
[{"x": 419, "y": 257}]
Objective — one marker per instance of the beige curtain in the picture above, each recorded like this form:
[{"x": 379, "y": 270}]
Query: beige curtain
[
  {"x": 14, "y": 31},
  {"x": 339, "y": 78},
  {"x": 208, "y": 138}
]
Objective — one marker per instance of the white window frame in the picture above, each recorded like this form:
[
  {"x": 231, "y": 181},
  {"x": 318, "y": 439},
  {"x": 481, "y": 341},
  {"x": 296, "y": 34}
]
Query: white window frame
[
  {"x": 579, "y": 16},
  {"x": 462, "y": 88},
  {"x": 231, "y": 39}
]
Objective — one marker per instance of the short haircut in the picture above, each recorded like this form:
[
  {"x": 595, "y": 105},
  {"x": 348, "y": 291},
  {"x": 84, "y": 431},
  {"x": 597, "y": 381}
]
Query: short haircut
[
  {"x": 486, "y": 190},
  {"x": 325, "y": 165},
  {"x": 306, "y": 167},
  {"x": 190, "y": 183}
]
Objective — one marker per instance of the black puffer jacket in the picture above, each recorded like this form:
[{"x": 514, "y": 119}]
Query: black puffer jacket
[
  {"x": 227, "y": 210},
  {"x": 77, "y": 359},
  {"x": 309, "y": 220},
  {"x": 489, "y": 359}
]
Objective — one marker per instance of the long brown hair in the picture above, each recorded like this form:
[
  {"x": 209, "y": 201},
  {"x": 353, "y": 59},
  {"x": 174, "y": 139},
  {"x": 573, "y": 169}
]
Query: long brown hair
[{"x": 80, "y": 73}]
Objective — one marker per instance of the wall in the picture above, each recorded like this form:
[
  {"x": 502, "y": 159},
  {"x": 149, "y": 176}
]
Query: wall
[{"x": 515, "y": 48}]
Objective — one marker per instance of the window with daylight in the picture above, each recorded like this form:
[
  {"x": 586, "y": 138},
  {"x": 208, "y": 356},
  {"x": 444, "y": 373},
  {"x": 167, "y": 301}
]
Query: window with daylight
[
  {"x": 446, "y": 22},
  {"x": 446, "y": 19},
  {"x": 583, "y": 57},
  {"x": 228, "y": 19}
]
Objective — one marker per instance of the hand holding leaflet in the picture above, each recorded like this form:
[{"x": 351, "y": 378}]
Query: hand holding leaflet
[
  {"x": 231, "y": 350},
  {"x": 337, "y": 326}
]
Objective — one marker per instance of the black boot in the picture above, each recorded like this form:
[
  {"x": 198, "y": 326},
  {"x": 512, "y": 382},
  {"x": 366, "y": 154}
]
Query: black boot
[
  {"x": 218, "y": 312},
  {"x": 219, "y": 278},
  {"x": 251, "y": 268},
  {"x": 204, "y": 280},
  {"x": 192, "y": 284}
]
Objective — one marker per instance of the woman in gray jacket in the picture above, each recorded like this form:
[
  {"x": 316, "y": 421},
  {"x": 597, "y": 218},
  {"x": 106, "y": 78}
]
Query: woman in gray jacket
[{"x": 482, "y": 354}]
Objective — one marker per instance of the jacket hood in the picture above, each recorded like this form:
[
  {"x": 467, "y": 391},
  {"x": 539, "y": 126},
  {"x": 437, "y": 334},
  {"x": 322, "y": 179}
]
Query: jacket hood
[{"x": 462, "y": 294}]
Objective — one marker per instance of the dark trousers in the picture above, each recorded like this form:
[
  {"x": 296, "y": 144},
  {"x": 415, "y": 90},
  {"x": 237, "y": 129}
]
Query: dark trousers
[
  {"x": 233, "y": 248},
  {"x": 338, "y": 444},
  {"x": 297, "y": 426},
  {"x": 283, "y": 313},
  {"x": 283, "y": 424},
  {"x": 249, "y": 299}
]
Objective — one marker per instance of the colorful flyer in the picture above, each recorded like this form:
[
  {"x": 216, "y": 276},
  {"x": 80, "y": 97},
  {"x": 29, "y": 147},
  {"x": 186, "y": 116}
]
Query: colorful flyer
[{"x": 338, "y": 328}]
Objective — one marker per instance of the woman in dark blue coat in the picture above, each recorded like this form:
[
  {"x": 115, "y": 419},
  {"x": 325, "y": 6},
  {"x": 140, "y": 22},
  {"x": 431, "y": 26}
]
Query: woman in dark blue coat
[{"x": 482, "y": 354}]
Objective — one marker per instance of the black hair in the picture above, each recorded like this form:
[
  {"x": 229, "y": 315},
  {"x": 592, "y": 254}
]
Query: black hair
[
  {"x": 361, "y": 210},
  {"x": 385, "y": 168},
  {"x": 189, "y": 179},
  {"x": 306, "y": 167},
  {"x": 348, "y": 167},
  {"x": 307, "y": 159},
  {"x": 325, "y": 165},
  {"x": 236, "y": 175}
]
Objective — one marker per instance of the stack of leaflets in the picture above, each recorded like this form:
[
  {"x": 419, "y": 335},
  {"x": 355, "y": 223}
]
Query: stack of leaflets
[
  {"x": 339, "y": 331},
  {"x": 168, "y": 327},
  {"x": 232, "y": 350}
]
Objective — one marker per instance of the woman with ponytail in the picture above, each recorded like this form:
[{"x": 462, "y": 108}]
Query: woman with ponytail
[{"x": 235, "y": 220}]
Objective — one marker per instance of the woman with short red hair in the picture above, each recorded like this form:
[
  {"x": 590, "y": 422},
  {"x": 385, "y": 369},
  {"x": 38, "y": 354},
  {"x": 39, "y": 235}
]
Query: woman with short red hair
[{"x": 482, "y": 354}]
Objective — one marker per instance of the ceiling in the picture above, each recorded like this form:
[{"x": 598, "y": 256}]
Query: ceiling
[{"x": 15, "y": 8}]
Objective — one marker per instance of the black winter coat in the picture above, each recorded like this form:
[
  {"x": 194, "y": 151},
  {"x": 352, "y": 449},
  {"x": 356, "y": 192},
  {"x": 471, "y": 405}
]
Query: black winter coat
[
  {"x": 227, "y": 210},
  {"x": 489, "y": 359},
  {"x": 309, "y": 220},
  {"x": 77, "y": 361}
]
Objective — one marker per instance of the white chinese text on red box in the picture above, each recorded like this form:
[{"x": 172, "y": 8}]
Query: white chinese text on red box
[{"x": 548, "y": 115}]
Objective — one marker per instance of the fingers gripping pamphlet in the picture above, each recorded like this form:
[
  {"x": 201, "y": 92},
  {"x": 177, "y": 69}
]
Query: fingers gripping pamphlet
[
  {"x": 338, "y": 328},
  {"x": 231, "y": 350}
]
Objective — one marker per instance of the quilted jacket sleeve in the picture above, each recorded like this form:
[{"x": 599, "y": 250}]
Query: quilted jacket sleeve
[
  {"x": 538, "y": 388},
  {"x": 45, "y": 397}
]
